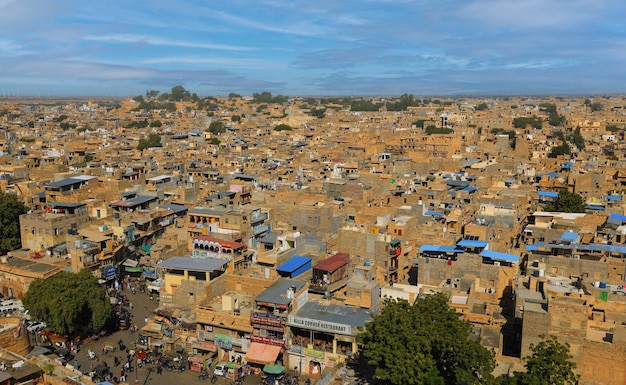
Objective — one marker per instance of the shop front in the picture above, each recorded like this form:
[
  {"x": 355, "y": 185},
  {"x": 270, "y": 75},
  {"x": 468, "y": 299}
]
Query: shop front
[
  {"x": 259, "y": 355},
  {"x": 322, "y": 336}
]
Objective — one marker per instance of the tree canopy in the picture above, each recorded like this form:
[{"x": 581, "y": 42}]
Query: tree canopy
[
  {"x": 283, "y": 127},
  {"x": 69, "y": 302},
  {"x": 266, "y": 97},
  {"x": 567, "y": 202},
  {"x": 10, "y": 210},
  {"x": 153, "y": 140},
  {"x": 438, "y": 130},
  {"x": 550, "y": 363},
  {"x": 533, "y": 121},
  {"x": 424, "y": 343},
  {"x": 561, "y": 149},
  {"x": 217, "y": 127}
]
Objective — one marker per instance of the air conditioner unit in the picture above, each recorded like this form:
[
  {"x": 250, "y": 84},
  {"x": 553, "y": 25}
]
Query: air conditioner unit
[{"x": 496, "y": 263}]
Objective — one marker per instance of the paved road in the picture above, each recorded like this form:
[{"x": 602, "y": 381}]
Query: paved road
[{"x": 142, "y": 307}]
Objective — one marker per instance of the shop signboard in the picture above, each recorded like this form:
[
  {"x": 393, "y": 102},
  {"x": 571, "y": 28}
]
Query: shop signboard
[{"x": 323, "y": 326}]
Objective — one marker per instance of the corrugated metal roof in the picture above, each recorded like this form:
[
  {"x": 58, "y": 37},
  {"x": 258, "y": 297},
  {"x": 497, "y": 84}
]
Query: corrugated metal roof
[
  {"x": 472, "y": 243},
  {"x": 333, "y": 263},
  {"x": 293, "y": 264},
  {"x": 501, "y": 256}
]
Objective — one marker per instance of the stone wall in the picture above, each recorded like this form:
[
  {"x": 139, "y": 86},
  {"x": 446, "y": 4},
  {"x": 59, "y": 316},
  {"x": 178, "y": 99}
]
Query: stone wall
[
  {"x": 604, "y": 363},
  {"x": 13, "y": 336}
]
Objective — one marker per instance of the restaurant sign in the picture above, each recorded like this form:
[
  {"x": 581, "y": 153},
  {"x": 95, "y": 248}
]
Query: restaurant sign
[{"x": 323, "y": 326}]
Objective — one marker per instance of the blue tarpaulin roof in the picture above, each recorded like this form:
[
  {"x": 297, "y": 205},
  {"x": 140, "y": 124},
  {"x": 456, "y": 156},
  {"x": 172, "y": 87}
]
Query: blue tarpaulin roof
[
  {"x": 434, "y": 213},
  {"x": 616, "y": 219},
  {"x": 471, "y": 243},
  {"x": 567, "y": 166},
  {"x": 613, "y": 198},
  {"x": 549, "y": 194},
  {"x": 531, "y": 248},
  {"x": 439, "y": 249},
  {"x": 293, "y": 264},
  {"x": 569, "y": 236},
  {"x": 594, "y": 207},
  {"x": 470, "y": 189},
  {"x": 501, "y": 256}
]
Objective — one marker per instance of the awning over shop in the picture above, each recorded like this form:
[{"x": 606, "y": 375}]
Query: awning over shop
[
  {"x": 130, "y": 263},
  {"x": 273, "y": 369},
  {"x": 262, "y": 354}
]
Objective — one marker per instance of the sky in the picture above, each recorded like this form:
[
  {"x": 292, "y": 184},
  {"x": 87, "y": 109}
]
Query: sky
[{"x": 312, "y": 48}]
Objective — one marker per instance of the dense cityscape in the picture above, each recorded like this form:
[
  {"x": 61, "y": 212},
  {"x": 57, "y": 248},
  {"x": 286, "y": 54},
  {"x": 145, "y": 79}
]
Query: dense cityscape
[{"x": 276, "y": 239}]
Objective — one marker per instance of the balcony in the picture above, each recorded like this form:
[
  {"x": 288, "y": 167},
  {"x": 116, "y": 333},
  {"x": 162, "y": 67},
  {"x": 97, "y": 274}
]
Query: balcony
[
  {"x": 260, "y": 229},
  {"x": 258, "y": 218}
]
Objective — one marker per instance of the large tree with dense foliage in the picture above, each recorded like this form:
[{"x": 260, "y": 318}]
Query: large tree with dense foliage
[
  {"x": 69, "y": 302},
  {"x": 217, "y": 127},
  {"x": 10, "y": 210},
  {"x": 567, "y": 202},
  {"x": 549, "y": 364},
  {"x": 523, "y": 122},
  {"x": 424, "y": 343}
]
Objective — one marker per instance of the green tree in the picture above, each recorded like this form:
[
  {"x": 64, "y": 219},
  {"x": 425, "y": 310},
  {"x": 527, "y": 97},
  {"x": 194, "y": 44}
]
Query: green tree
[
  {"x": 438, "y": 130},
  {"x": 577, "y": 139},
  {"x": 153, "y": 140},
  {"x": 217, "y": 127},
  {"x": 556, "y": 120},
  {"x": 612, "y": 128},
  {"x": 215, "y": 141},
  {"x": 179, "y": 93},
  {"x": 549, "y": 364},
  {"x": 562, "y": 149},
  {"x": 418, "y": 123},
  {"x": 156, "y": 123},
  {"x": 424, "y": 343},
  {"x": 567, "y": 202},
  {"x": 596, "y": 107},
  {"x": 10, "y": 210},
  {"x": 523, "y": 122},
  {"x": 69, "y": 302},
  {"x": 152, "y": 94},
  {"x": 283, "y": 127},
  {"x": 235, "y": 118},
  {"x": 482, "y": 107}
]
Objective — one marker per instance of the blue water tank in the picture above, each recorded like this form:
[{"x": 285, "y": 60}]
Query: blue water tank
[
  {"x": 602, "y": 285},
  {"x": 367, "y": 263}
]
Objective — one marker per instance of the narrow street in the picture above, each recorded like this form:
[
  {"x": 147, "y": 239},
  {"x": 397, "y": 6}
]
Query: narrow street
[{"x": 143, "y": 308}]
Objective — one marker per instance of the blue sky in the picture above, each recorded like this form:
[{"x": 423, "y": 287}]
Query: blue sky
[{"x": 324, "y": 47}]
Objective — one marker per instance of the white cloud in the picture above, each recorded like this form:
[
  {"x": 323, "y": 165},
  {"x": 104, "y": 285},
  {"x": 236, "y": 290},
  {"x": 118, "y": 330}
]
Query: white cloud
[
  {"x": 217, "y": 61},
  {"x": 303, "y": 28},
  {"x": 11, "y": 48},
  {"x": 122, "y": 38}
]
